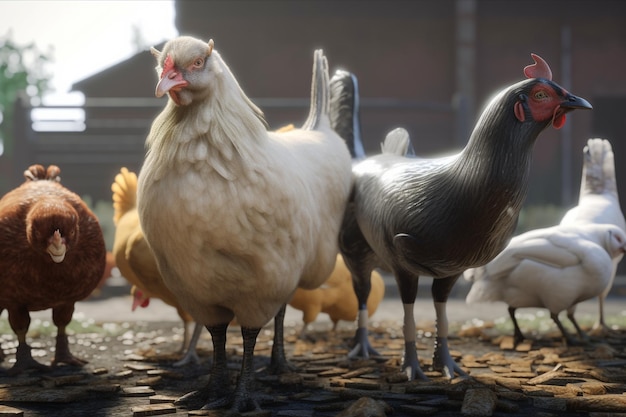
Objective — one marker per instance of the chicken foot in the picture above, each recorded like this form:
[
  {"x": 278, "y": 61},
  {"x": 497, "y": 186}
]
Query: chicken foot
[
  {"x": 442, "y": 360},
  {"x": 584, "y": 338},
  {"x": 24, "y": 360},
  {"x": 61, "y": 316},
  {"x": 20, "y": 322},
  {"x": 190, "y": 356},
  {"x": 362, "y": 347},
  {"x": 241, "y": 400},
  {"x": 568, "y": 338},
  {"x": 518, "y": 336},
  {"x": 217, "y": 392}
]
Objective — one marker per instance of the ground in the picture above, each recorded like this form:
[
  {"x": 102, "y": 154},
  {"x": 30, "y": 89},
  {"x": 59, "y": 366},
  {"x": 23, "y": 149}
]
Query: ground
[{"x": 130, "y": 370}]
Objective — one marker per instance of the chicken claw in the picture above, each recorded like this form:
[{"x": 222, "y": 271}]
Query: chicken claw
[
  {"x": 191, "y": 356},
  {"x": 442, "y": 360},
  {"x": 411, "y": 364},
  {"x": 362, "y": 347},
  {"x": 63, "y": 354},
  {"x": 24, "y": 360}
]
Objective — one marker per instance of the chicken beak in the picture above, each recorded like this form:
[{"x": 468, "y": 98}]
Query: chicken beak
[
  {"x": 573, "y": 102},
  {"x": 170, "y": 80},
  {"x": 57, "y": 248},
  {"x": 569, "y": 103}
]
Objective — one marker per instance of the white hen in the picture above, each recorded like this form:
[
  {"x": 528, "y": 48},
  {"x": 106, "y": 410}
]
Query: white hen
[
  {"x": 598, "y": 201},
  {"x": 238, "y": 217},
  {"x": 554, "y": 268}
]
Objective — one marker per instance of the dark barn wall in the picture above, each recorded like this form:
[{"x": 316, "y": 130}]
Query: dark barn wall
[
  {"x": 397, "y": 49},
  {"x": 406, "y": 56}
]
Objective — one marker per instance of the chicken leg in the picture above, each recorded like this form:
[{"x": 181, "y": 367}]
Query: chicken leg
[
  {"x": 442, "y": 361},
  {"x": 216, "y": 394},
  {"x": 408, "y": 285},
  {"x": 219, "y": 395},
  {"x": 278, "y": 362},
  {"x": 61, "y": 316},
  {"x": 19, "y": 319},
  {"x": 518, "y": 336},
  {"x": 190, "y": 356},
  {"x": 362, "y": 287}
]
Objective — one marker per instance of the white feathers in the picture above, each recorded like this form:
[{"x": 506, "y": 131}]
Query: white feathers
[
  {"x": 239, "y": 217},
  {"x": 598, "y": 201},
  {"x": 553, "y": 268}
]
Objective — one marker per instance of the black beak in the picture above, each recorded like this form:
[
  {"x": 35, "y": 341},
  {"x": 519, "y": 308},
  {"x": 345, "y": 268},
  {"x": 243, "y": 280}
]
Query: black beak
[{"x": 573, "y": 102}]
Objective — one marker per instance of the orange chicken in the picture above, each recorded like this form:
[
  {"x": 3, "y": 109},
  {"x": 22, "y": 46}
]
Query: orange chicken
[{"x": 336, "y": 297}]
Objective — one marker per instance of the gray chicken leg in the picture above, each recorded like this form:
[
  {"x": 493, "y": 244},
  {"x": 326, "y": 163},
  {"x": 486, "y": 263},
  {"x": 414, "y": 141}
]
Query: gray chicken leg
[
  {"x": 278, "y": 362},
  {"x": 442, "y": 360}
]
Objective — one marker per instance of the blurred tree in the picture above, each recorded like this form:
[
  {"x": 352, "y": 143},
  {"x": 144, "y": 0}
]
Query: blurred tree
[{"x": 22, "y": 69}]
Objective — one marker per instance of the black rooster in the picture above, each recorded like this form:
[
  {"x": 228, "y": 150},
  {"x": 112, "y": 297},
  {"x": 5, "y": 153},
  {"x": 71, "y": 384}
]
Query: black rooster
[{"x": 438, "y": 217}]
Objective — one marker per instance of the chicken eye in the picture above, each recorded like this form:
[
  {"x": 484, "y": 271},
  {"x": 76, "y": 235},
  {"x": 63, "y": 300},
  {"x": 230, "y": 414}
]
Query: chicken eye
[
  {"x": 198, "y": 63},
  {"x": 540, "y": 95}
]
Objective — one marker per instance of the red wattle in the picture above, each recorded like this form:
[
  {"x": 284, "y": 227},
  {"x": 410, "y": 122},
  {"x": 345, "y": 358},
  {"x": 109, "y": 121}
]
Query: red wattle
[{"x": 558, "y": 118}]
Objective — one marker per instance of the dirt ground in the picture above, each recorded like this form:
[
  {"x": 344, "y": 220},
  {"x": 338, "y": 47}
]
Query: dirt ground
[{"x": 131, "y": 373}]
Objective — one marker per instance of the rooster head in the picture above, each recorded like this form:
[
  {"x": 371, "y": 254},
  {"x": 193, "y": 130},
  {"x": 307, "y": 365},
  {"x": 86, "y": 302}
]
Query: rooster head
[
  {"x": 546, "y": 100},
  {"x": 181, "y": 68}
]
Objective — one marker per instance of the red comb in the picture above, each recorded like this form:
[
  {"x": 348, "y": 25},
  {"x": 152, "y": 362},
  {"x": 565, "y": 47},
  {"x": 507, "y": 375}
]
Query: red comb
[
  {"x": 168, "y": 65},
  {"x": 540, "y": 69}
]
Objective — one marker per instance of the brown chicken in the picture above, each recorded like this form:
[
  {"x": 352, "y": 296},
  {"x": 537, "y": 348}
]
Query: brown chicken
[
  {"x": 133, "y": 256},
  {"x": 336, "y": 297},
  {"x": 52, "y": 254}
]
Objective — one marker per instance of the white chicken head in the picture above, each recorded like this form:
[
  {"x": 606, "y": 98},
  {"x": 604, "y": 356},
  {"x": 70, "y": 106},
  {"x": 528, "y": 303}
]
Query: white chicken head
[
  {"x": 182, "y": 67},
  {"x": 615, "y": 243}
]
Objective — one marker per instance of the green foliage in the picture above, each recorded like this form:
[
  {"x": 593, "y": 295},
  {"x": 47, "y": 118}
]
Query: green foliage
[{"x": 22, "y": 69}]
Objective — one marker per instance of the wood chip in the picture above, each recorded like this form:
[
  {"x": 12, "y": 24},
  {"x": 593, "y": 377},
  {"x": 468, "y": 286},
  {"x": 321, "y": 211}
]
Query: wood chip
[
  {"x": 149, "y": 381},
  {"x": 478, "y": 402},
  {"x": 137, "y": 392},
  {"x": 166, "y": 373},
  {"x": 6, "y": 411},
  {"x": 162, "y": 399},
  {"x": 548, "y": 376},
  {"x": 100, "y": 371},
  {"x": 358, "y": 372},
  {"x": 138, "y": 366},
  {"x": 153, "y": 410},
  {"x": 366, "y": 406},
  {"x": 609, "y": 402}
]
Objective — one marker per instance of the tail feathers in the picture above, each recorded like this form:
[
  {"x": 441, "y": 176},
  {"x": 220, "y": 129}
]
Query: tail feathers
[
  {"x": 319, "y": 92},
  {"x": 398, "y": 142},
  {"x": 598, "y": 168},
  {"x": 124, "y": 193},
  {"x": 344, "y": 111}
]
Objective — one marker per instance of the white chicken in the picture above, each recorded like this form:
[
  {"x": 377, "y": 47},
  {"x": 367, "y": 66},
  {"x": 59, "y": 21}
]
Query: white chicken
[
  {"x": 554, "y": 268},
  {"x": 598, "y": 202},
  {"x": 238, "y": 217}
]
